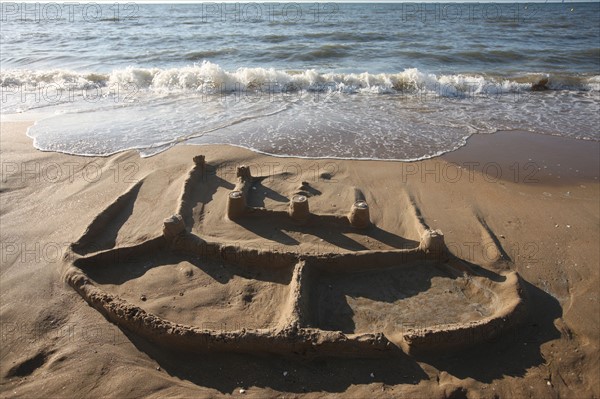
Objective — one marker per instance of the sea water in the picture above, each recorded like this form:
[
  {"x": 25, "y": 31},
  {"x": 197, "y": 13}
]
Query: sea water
[{"x": 379, "y": 81}]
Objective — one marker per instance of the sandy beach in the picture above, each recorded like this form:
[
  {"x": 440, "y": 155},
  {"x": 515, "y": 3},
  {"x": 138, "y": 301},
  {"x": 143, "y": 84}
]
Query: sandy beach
[
  {"x": 508, "y": 204},
  {"x": 289, "y": 200}
]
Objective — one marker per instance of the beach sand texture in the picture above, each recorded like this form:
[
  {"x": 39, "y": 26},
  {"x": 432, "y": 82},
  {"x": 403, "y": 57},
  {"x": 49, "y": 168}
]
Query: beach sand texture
[{"x": 280, "y": 288}]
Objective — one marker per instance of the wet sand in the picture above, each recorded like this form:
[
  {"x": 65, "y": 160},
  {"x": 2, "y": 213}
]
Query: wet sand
[{"x": 509, "y": 203}]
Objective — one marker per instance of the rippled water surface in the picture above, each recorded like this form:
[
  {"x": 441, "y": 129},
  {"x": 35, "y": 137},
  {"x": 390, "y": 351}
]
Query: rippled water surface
[{"x": 389, "y": 81}]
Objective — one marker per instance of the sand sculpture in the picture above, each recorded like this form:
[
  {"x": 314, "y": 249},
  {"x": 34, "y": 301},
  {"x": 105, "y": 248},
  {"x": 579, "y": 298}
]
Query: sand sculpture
[{"x": 331, "y": 304}]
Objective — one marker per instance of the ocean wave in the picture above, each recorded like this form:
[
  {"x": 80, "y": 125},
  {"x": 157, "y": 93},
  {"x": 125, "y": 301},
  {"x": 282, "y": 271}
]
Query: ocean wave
[
  {"x": 209, "y": 77},
  {"x": 200, "y": 55},
  {"x": 349, "y": 36},
  {"x": 275, "y": 38},
  {"x": 326, "y": 51},
  {"x": 495, "y": 56}
]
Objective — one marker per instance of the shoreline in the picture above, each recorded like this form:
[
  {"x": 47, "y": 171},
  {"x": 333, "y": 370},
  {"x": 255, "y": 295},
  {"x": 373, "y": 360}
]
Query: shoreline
[
  {"x": 574, "y": 158},
  {"x": 545, "y": 230}
]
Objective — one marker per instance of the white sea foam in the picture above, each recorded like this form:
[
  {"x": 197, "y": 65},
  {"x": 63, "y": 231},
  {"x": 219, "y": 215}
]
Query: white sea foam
[
  {"x": 404, "y": 116},
  {"x": 208, "y": 77}
]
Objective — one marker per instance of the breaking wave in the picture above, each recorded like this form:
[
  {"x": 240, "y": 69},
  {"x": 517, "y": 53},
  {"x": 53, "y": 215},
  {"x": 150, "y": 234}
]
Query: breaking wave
[{"x": 210, "y": 77}]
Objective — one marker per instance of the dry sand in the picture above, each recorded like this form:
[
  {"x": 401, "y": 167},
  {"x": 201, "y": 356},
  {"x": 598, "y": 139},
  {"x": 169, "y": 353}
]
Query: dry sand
[{"x": 508, "y": 202}]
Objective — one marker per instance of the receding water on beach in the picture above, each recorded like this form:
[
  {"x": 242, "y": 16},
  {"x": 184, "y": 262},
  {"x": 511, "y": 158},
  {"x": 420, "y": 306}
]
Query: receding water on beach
[{"x": 378, "y": 81}]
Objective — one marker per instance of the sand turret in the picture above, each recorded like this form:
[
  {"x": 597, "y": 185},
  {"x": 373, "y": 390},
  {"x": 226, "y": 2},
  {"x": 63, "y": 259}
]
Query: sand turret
[
  {"x": 359, "y": 215},
  {"x": 173, "y": 226},
  {"x": 432, "y": 241},
  {"x": 298, "y": 209}
]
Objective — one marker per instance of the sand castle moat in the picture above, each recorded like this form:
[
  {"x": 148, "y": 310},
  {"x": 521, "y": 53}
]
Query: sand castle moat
[{"x": 194, "y": 288}]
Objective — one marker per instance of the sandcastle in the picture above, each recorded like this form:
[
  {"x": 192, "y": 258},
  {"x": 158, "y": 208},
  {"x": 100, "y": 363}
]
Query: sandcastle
[
  {"x": 337, "y": 303},
  {"x": 299, "y": 210}
]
